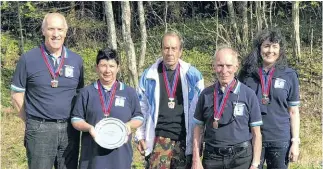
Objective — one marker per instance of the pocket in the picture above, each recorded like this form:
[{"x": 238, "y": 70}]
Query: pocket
[{"x": 32, "y": 125}]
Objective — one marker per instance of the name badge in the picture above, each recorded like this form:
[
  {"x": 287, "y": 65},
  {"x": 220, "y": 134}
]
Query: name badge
[
  {"x": 279, "y": 83},
  {"x": 69, "y": 71},
  {"x": 120, "y": 101},
  {"x": 238, "y": 109}
]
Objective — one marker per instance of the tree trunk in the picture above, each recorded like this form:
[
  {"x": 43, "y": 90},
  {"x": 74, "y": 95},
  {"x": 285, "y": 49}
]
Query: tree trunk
[
  {"x": 264, "y": 13},
  {"x": 217, "y": 22},
  {"x": 82, "y": 9},
  {"x": 21, "y": 44},
  {"x": 233, "y": 22},
  {"x": 258, "y": 15},
  {"x": 143, "y": 33},
  {"x": 251, "y": 20},
  {"x": 296, "y": 41},
  {"x": 129, "y": 46},
  {"x": 165, "y": 16},
  {"x": 245, "y": 24},
  {"x": 112, "y": 37},
  {"x": 270, "y": 11}
]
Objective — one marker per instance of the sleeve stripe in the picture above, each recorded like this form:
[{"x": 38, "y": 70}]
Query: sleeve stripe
[
  {"x": 256, "y": 123},
  {"x": 138, "y": 118},
  {"x": 17, "y": 89},
  {"x": 198, "y": 121},
  {"x": 75, "y": 119},
  {"x": 294, "y": 103}
]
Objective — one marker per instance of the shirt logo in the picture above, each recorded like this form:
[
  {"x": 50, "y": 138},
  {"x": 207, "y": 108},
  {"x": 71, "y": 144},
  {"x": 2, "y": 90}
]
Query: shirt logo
[
  {"x": 279, "y": 83},
  {"x": 238, "y": 109},
  {"x": 120, "y": 101},
  {"x": 69, "y": 71}
]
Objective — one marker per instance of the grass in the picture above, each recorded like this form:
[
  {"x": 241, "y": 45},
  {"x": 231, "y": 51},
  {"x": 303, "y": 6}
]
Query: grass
[{"x": 13, "y": 152}]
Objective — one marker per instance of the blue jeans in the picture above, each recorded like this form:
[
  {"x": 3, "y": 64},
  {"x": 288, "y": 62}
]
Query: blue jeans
[
  {"x": 275, "y": 154},
  {"x": 51, "y": 144},
  {"x": 237, "y": 160}
]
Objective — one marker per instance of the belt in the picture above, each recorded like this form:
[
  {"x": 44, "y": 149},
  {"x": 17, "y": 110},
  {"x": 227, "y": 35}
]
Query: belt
[
  {"x": 47, "y": 120},
  {"x": 229, "y": 150}
]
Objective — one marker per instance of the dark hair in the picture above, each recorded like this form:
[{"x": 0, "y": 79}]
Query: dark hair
[
  {"x": 175, "y": 34},
  {"x": 254, "y": 60},
  {"x": 107, "y": 54}
]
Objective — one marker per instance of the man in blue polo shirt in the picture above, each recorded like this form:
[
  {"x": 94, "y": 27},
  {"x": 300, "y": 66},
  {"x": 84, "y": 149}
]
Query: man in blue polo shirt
[
  {"x": 43, "y": 88},
  {"x": 230, "y": 113}
]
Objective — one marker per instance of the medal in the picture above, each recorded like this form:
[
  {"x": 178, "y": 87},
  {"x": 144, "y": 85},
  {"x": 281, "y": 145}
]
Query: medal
[
  {"x": 54, "y": 75},
  {"x": 265, "y": 87},
  {"x": 216, "y": 124},
  {"x": 106, "y": 105},
  {"x": 171, "y": 103},
  {"x": 54, "y": 83},
  {"x": 171, "y": 90},
  {"x": 219, "y": 109}
]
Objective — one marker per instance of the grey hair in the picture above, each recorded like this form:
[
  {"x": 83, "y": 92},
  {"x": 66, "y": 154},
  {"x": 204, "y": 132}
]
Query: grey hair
[
  {"x": 173, "y": 33},
  {"x": 53, "y": 14},
  {"x": 234, "y": 52}
]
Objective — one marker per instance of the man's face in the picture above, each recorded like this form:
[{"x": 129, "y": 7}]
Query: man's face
[
  {"x": 171, "y": 50},
  {"x": 225, "y": 66},
  {"x": 269, "y": 52},
  {"x": 107, "y": 70},
  {"x": 55, "y": 32}
]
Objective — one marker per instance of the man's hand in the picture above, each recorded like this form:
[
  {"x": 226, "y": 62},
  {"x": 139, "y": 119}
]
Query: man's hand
[
  {"x": 141, "y": 147},
  {"x": 294, "y": 152},
  {"x": 196, "y": 163}
]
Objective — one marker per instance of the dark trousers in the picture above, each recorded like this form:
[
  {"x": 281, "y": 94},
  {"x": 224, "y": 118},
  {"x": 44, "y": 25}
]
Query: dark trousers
[
  {"x": 240, "y": 159},
  {"x": 51, "y": 144},
  {"x": 275, "y": 154}
]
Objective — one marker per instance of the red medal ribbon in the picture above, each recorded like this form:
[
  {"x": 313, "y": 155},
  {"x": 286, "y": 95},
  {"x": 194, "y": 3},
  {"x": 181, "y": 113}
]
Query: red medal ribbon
[
  {"x": 218, "y": 114},
  {"x": 171, "y": 90},
  {"x": 266, "y": 87},
  {"x": 106, "y": 111},
  {"x": 50, "y": 68}
]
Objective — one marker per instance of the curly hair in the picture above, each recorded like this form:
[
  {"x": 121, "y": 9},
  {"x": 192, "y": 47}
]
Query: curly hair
[{"x": 254, "y": 60}]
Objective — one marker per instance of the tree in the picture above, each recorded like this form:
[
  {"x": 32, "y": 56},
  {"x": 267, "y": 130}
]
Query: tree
[
  {"x": 143, "y": 33},
  {"x": 128, "y": 43},
  {"x": 258, "y": 15},
  {"x": 296, "y": 38},
  {"x": 245, "y": 24},
  {"x": 233, "y": 22},
  {"x": 21, "y": 44},
  {"x": 112, "y": 37}
]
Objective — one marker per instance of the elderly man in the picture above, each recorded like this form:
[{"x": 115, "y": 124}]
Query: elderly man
[
  {"x": 168, "y": 94},
  {"x": 43, "y": 86},
  {"x": 230, "y": 113}
]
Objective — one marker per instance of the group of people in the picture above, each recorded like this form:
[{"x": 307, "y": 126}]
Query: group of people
[{"x": 241, "y": 121}]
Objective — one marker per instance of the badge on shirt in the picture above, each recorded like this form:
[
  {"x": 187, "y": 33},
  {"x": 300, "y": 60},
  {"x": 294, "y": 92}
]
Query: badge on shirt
[
  {"x": 279, "y": 83},
  {"x": 120, "y": 101},
  {"x": 238, "y": 109},
  {"x": 69, "y": 71}
]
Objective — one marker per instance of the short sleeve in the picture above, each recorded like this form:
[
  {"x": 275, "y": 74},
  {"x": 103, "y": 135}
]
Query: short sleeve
[
  {"x": 136, "y": 113},
  {"x": 19, "y": 78},
  {"x": 293, "y": 95},
  {"x": 80, "y": 106},
  {"x": 255, "y": 118},
  {"x": 198, "y": 115}
]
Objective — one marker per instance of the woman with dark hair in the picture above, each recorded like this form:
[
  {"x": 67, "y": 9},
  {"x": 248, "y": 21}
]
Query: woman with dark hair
[
  {"x": 266, "y": 71},
  {"x": 107, "y": 98}
]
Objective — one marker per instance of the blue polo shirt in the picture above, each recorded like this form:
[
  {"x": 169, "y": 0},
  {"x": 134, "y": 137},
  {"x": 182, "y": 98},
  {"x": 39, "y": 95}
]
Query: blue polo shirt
[
  {"x": 32, "y": 77},
  {"x": 284, "y": 93},
  {"x": 88, "y": 108},
  {"x": 241, "y": 112}
]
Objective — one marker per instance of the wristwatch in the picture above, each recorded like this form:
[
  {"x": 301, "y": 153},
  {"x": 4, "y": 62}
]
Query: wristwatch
[
  {"x": 255, "y": 165},
  {"x": 296, "y": 139}
]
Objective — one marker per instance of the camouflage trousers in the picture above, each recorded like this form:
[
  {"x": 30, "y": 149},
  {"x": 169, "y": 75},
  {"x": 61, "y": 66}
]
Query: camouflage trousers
[{"x": 168, "y": 154}]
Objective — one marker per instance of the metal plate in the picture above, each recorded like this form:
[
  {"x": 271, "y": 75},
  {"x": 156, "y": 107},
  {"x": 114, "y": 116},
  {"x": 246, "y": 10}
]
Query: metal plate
[{"x": 111, "y": 133}]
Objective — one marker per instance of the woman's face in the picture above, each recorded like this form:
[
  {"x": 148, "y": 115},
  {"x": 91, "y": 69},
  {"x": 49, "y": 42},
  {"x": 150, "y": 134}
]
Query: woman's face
[
  {"x": 107, "y": 70},
  {"x": 269, "y": 52}
]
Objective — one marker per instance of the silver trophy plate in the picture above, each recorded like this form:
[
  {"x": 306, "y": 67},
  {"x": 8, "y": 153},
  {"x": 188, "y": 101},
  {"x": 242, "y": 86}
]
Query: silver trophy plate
[{"x": 111, "y": 133}]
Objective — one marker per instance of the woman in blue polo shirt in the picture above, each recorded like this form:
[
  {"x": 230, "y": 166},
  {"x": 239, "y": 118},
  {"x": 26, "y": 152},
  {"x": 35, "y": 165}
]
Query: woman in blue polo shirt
[
  {"x": 106, "y": 97},
  {"x": 266, "y": 71}
]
